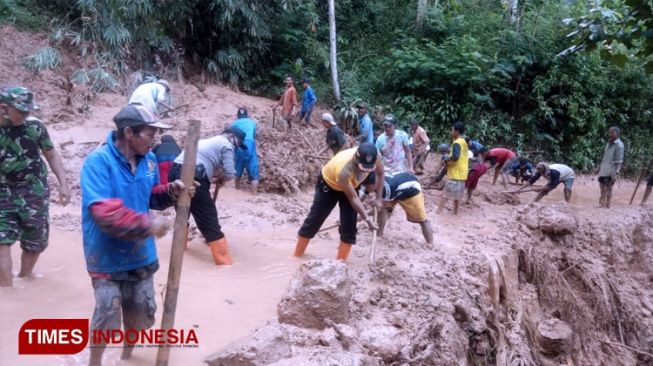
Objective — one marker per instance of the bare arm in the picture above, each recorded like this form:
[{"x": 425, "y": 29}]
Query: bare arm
[{"x": 55, "y": 163}]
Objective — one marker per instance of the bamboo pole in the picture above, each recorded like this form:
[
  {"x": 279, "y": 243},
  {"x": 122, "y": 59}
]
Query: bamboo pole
[{"x": 179, "y": 237}]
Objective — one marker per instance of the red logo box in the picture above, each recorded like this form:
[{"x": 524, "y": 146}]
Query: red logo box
[{"x": 53, "y": 336}]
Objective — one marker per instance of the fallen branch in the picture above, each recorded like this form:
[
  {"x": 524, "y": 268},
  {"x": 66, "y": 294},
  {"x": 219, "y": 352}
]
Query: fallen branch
[
  {"x": 624, "y": 346},
  {"x": 316, "y": 156}
]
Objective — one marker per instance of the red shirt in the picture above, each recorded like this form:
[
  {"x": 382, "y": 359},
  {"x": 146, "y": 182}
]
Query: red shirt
[{"x": 502, "y": 155}]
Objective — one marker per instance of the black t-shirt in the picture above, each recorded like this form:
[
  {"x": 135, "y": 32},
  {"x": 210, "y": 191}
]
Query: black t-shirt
[
  {"x": 335, "y": 138},
  {"x": 400, "y": 186}
]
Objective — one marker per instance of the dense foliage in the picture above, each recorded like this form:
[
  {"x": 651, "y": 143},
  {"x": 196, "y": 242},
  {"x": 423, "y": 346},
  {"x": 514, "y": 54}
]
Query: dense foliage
[{"x": 506, "y": 74}]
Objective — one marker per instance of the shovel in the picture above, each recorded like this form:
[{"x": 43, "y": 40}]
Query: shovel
[{"x": 374, "y": 232}]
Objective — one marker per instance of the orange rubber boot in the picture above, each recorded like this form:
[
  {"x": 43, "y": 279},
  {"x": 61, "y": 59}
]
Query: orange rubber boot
[
  {"x": 301, "y": 245},
  {"x": 220, "y": 252},
  {"x": 343, "y": 251}
]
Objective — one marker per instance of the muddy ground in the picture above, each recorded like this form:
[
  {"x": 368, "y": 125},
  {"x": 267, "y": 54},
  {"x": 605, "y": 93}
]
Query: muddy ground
[{"x": 507, "y": 282}]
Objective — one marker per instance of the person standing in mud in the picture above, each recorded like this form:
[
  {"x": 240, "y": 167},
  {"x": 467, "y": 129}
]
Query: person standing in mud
[
  {"x": 365, "y": 126},
  {"x": 120, "y": 184},
  {"x": 335, "y": 137},
  {"x": 613, "y": 157},
  {"x": 404, "y": 189},
  {"x": 308, "y": 102},
  {"x": 166, "y": 152},
  {"x": 215, "y": 163},
  {"x": 338, "y": 184},
  {"x": 246, "y": 158},
  {"x": 501, "y": 160},
  {"x": 420, "y": 146},
  {"x": 556, "y": 174},
  {"x": 394, "y": 147},
  {"x": 457, "y": 169},
  {"x": 24, "y": 191},
  {"x": 288, "y": 101},
  {"x": 153, "y": 95}
]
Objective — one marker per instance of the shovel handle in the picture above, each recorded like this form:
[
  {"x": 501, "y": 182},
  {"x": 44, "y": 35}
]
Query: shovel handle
[{"x": 374, "y": 235}]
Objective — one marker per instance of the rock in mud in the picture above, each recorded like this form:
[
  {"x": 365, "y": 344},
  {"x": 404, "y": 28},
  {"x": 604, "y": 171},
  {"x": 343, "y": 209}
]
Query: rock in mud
[
  {"x": 320, "y": 293},
  {"x": 553, "y": 220},
  {"x": 554, "y": 336},
  {"x": 384, "y": 341},
  {"x": 501, "y": 198},
  {"x": 266, "y": 345}
]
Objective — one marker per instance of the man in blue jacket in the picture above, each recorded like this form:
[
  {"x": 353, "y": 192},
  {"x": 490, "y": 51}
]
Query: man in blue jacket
[
  {"x": 246, "y": 158},
  {"x": 308, "y": 103},
  {"x": 120, "y": 184}
]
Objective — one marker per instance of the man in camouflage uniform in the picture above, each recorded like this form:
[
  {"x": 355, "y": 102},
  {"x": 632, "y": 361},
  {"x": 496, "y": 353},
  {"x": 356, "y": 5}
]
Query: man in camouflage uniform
[{"x": 24, "y": 193}]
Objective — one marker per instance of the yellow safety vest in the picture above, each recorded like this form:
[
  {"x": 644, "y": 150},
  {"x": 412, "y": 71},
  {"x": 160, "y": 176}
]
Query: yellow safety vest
[{"x": 458, "y": 170}]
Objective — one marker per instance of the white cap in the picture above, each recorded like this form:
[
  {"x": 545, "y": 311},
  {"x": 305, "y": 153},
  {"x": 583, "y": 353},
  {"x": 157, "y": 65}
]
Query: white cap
[{"x": 329, "y": 118}]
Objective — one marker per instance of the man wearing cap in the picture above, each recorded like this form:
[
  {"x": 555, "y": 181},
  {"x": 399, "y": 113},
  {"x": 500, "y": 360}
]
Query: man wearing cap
[
  {"x": 308, "y": 103},
  {"x": 613, "y": 157},
  {"x": 246, "y": 158},
  {"x": 457, "y": 168},
  {"x": 337, "y": 184},
  {"x": 152, "y": 95},
  {"x": 288, "y": 101},
  {"x": 335, "y": 138},
  {"x": 404, "y": 189},
  {"x": 215, "y": 163},
  {"x": 556, "y": 174},
  {"x": 120, "y": 184},
  {"x": 420, "y": 145},
  {"x": 394, "y": 147},
  {"x": 365, "y": 126},
  {"x": 24, "y": 191}
]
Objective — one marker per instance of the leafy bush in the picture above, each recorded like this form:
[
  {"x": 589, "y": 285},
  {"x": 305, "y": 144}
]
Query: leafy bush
[{"x": 46, "y": 58}]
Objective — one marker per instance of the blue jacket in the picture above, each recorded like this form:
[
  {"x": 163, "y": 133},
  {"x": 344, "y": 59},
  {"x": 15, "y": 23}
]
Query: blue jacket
[
  {"x": 106, "y": 174},
  {"x": 366, "y": 129},
  {"x": 309, "y": 99}
]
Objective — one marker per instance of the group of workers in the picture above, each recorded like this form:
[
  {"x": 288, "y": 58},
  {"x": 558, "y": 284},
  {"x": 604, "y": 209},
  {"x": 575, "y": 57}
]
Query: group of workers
[{"x": 126, "y": 177}]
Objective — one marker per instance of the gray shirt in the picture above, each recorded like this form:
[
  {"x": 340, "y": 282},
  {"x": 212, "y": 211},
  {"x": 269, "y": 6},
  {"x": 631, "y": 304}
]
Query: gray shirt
[
  {"x": 613, "y": 155},
  {"x": 213, "y": 153}
]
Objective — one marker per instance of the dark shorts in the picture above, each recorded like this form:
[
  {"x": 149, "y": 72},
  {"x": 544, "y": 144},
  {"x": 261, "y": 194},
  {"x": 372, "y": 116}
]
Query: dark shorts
[
  {"x": 24, "y": 216},
  {"x": 606, "y": 181},
  {"x": 129, "y": 302},
  {"x": 650, "y": 181}
]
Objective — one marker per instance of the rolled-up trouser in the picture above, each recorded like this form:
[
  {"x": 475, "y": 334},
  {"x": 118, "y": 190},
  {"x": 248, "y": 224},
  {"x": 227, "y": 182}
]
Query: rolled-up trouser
[
  {"x": 131, "y": 301},
  {"x": 202, "y": 206},
  {"x": 324, "y": 201}
]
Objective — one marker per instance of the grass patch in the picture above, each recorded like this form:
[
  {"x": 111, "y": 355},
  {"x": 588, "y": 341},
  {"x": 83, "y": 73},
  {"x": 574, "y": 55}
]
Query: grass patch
[{"x": 20, "y": 14}]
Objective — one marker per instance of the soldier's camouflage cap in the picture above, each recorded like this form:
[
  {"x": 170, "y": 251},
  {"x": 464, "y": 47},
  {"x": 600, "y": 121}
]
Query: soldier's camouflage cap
[{"x": 18, "y": 97}]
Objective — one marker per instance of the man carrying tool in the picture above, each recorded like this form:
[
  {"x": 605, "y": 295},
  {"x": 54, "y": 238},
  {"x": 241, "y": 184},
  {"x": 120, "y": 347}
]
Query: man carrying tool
[
  {"x": 24, "y": 191},
  {"x": 501, "y": 160},
  {"x": 120, "y": 184},
  {"x": 335, "y": 137},
  {"x": 404, "y": 189},
  {"x": 337, "y": 184},
  {"x": 420, "y": 146},
  {"x": 394, "y": 147},
  {"x": 153, "y": 95},
  {"x": 288, "y": 101},
  {"x": 166, "y": 152},
  {"x": 365, "y": 126},
  {"x": 246, "y": 158},
  {"x": 308, "y": 103},
  {"x": 613, "y": 157},
  {"x": 215, "y": 163},
  {"x": 556, "y": 174},
  {"x": 457, "y": 168}
]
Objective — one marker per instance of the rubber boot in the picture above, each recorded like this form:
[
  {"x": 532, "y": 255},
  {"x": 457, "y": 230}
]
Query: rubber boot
[
  {"x": 301, "y": 245},
  {"x": 220, "y": 252},
  {"x": 343, "y": 251}
]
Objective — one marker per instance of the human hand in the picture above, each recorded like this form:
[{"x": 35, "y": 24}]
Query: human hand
[
  {"x": 371, "y": 224},
  {"x": 378, "y": 202},
  {"x": 64, "y": 195},
  {"x": 158, "y": 227},
  {"x": 178, "y": 185}
]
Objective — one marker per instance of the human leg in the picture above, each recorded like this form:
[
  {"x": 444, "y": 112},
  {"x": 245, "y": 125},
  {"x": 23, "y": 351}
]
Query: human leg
[
  {"x": 427, "y": 231},
  {"x": 6, "y": 277},
  {"x": 347, "y": 228},
  {"x": 324, "y": 200},
  {"x": 107, "y": 314},
  {"x": 608, "y": 193},
  {"x": 138, "y": 308},
  {"x": 34, "y": 218}
]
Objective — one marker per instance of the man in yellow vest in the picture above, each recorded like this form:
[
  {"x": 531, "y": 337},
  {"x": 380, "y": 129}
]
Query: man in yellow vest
[
  {"x": 338, "y": 183},
  {"x": 457, "y": 168}
]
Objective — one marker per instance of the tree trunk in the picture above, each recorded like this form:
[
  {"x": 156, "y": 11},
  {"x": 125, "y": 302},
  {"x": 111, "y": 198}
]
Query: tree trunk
[
  {"x": 422, "y": 5},
  {"x": 334, "y": 59}
]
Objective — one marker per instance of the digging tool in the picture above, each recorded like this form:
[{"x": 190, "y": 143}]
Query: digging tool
[
  {"x": 179, "y": 237},
  {"x": 215, "y": 192},
  {"x": 374, "y": 235},
  {"x": 524, "y": 191},
  {"x": 639, "y": 181},
  {"x": 169, "y": 111}
]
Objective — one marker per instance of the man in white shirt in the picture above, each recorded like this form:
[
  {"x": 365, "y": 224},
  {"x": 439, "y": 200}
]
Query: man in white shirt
[{"x": 152, "y": 95}]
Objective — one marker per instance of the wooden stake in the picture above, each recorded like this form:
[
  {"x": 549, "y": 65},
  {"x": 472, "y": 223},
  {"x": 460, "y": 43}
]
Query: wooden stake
[
  {"x": 179, "y": 238},
  {"x": 641, "y": 176},
  {"x": 374, "y": 232}
]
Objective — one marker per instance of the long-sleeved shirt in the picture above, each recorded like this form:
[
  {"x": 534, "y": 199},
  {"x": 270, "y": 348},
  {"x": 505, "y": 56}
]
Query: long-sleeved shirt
[
  {"x": 149, "y": 95},
  {"x": 309, "y": 99},
  {"x": 288, "y": 101},
  {"x": 613, "y": 156},
  {"x": 213, "y": 153},
  {"x": 366, "y": 129}
]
